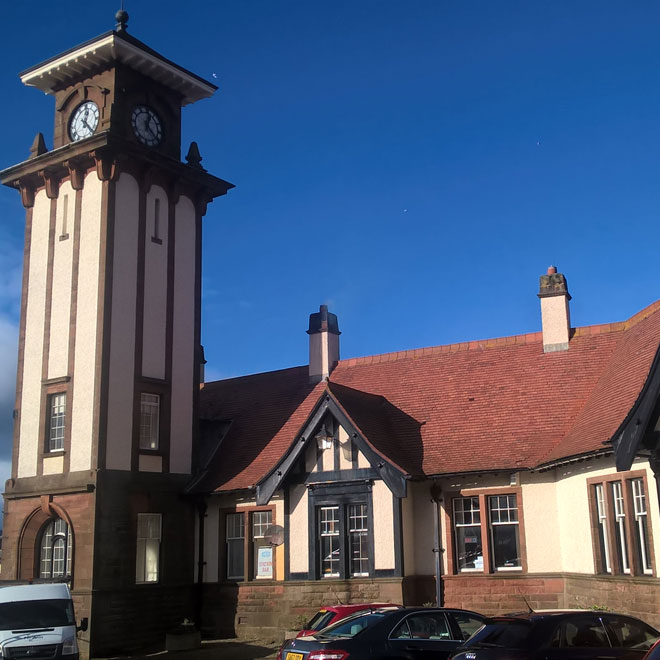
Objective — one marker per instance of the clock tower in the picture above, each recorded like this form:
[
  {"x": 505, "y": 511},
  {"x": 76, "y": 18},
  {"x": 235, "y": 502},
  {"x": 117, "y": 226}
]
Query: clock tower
[{"x": 109, "y": 346}]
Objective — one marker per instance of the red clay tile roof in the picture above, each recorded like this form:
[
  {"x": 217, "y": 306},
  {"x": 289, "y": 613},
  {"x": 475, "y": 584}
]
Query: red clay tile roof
[
  {"x": 267, "y": 411},
  {"x": 477, "y": 406}
]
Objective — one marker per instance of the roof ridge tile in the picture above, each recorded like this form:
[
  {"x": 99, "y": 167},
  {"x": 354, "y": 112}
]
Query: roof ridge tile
[{"x": 496, "y": 342}]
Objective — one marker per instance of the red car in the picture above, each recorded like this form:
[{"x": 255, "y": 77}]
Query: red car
[
  {"x": 327, "y": 615},
  {"x": 653, "y": 653}
]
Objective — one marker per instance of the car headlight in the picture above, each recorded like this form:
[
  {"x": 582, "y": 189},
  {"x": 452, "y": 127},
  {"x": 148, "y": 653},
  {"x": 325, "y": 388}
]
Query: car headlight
[{"x": 70, "y": 645}]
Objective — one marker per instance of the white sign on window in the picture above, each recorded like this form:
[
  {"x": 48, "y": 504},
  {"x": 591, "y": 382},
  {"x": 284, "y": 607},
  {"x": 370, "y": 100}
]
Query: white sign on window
[{"x": 265, "y": 562}]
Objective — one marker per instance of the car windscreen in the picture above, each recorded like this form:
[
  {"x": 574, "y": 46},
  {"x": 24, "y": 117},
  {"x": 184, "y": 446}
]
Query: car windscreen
[
  {"x": 502, "y": 634},
  {"x": 319, "y": 620},
  {"x": 353, "y": 625},
  {"x": 25, "y": 615}
]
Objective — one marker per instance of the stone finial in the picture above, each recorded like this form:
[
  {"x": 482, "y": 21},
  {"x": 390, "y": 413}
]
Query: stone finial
[
  {"x": 193, "y": 157},
  {"x": 122, "y": 19},
  {"x": 38, "y": 146}
]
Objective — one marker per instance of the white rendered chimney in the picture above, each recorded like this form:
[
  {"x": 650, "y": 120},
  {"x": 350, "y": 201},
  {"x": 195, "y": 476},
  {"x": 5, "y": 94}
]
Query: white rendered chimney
[
  {"x": 323, "y": 344},
  {"x": 555, "y": 313}
]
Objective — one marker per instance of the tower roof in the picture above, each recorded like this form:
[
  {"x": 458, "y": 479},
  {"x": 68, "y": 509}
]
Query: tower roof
[{"x": 85, "y": 59}]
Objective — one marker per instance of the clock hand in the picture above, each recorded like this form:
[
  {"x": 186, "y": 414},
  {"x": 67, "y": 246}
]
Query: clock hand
[{"x": 145, "y": 125}]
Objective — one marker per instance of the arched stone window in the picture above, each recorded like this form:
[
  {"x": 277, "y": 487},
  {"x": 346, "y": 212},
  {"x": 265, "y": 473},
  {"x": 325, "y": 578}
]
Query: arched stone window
[{"x": 55, "y": 549}]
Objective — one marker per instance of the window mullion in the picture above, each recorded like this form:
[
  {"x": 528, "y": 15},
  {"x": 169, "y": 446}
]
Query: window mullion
[
  {"x": 246, "y": 545},
  {"x": 485, "y": 540},
  {"x": 344, "y": 546}
]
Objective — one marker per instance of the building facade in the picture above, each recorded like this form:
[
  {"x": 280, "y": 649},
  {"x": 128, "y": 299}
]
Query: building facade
[{"x": 487, "y": 474}]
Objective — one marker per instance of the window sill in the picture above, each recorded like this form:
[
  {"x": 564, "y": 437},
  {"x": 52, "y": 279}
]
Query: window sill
[{"x": 243, "y": 581}]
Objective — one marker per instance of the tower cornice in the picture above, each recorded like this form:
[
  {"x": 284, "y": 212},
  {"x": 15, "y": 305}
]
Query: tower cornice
[
  {"x": 82, "y": 61},
  {"x": 109, "y": 155}
]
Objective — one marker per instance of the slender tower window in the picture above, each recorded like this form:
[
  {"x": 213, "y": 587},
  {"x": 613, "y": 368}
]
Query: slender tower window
[
  {"x": 56, "y": 421},
  {"x": 156, "y": 235},
  {"x": 64, "y": 234}
]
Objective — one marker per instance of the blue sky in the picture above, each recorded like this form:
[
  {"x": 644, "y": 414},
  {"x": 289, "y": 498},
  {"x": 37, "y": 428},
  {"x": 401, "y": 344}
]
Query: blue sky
[{"x": 416, "y": 165}]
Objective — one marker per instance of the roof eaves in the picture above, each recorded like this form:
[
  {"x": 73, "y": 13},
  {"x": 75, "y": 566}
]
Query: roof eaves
[{"x": 575, "y": 458}]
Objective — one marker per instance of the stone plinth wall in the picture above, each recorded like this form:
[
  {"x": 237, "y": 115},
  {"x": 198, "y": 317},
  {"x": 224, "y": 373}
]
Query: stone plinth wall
[
  {"x": 248, "y": 609},
  {"x": 636, "y": 596},
  {"x": 496, "y": 594},
  {"x": 253, "y": 609}
]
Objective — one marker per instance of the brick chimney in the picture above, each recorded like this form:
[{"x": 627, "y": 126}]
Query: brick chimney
[
  {"x": 555, "y": 314},
  {"x": 323, "y": 344}
]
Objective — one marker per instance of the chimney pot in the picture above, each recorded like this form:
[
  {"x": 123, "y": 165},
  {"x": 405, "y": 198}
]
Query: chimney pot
[{"x": 552, "y": 270}]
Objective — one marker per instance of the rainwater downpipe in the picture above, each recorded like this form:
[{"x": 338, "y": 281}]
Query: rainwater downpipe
[
  {"x": 201, "y": 511},
  {"x": 436, "y": 497}
]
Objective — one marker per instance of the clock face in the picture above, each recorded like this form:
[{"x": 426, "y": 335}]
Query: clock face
[
  {"x": 84, "y": 121},
  {"x": 146, "y": 125}
]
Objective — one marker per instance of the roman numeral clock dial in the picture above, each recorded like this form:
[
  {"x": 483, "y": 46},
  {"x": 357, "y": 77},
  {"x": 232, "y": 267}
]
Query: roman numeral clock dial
[
  {"x": 147, "y": 125},
  {"x": 84, "y": 121}
]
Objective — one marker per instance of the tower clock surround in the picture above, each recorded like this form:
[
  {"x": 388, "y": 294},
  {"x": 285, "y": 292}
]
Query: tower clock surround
[{"x": 110, "y": 340}]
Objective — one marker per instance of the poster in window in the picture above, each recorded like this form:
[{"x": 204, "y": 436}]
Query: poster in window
[{"x": 265, "y": 562}]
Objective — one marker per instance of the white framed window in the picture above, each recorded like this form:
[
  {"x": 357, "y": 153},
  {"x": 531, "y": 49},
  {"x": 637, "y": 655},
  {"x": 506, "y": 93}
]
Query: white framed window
[
  {"x": 56, "y": 421},
  {"x": 56, "y": 549},
  {"x": 147, "y": 565},
  {"x": 149, "y": 420},
  {"x": 329, "y": 541},
  {"x": 504, "y": 536},
  {"x": 235, "y": 545},
  {"x": 467, "y": 531},
  {"x": 620, "y": 526},
  {"x": 642, "y": 541},
  {"x": 262, "y": 551},
  {"x": 358, "y": 540},
  {"x": 603, "y": 534}
]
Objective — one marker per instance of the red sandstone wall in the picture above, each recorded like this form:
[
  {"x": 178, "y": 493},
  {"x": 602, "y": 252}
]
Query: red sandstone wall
[
  {"x": 492, "y": 594},
  {"x": 269, "y": 609}
]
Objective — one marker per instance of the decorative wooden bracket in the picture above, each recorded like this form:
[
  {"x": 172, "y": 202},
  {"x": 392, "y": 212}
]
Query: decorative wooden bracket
[
  {"x": 202, "y": 201},
  {"x": 26, "y": 189},
  {"x": 52, "y": 182},
  {"x": 106, "y": 165},
  {"x": 76, "y": 173}
]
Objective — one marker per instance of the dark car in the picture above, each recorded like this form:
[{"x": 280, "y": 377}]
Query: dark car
[
  {"x": 553, "y": 635},
  {"x": 333, "y": 613},
  {"x": 405, "y": 633}
]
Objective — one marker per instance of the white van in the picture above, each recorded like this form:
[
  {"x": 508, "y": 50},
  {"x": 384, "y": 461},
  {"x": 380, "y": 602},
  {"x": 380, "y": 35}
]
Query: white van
[{"x": 37, "y": 622}]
